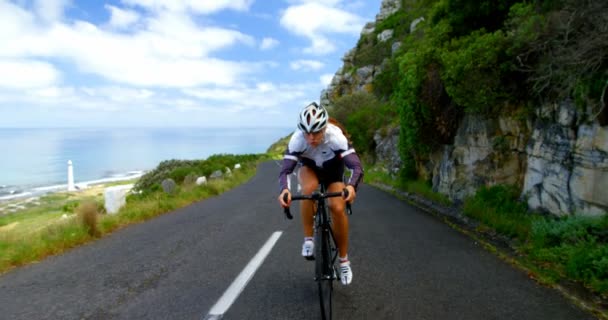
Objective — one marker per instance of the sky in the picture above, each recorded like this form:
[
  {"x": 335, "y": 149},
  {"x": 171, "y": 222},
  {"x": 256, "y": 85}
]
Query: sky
[{"x": 170, "y": 63}]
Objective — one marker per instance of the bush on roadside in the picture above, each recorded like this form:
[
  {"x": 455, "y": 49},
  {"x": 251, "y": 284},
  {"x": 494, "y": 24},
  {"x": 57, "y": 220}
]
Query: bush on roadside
[
  {"x": 178, "y": 170},
  {"x": 87, "y": 214},
  {"x": 575, "y": 247},
  {"x": 498, "y": 207}
]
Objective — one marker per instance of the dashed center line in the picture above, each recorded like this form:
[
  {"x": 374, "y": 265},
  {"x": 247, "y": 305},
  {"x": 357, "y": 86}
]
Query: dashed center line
[{"x": 237, "y": 286}]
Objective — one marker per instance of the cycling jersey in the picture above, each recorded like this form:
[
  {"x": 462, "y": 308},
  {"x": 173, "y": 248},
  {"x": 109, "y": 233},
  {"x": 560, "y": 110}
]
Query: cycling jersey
[{"x": 334, "y": 147}]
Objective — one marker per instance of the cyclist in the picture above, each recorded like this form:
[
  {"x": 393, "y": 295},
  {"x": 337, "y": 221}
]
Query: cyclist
[{"x": 323, "y": 150}]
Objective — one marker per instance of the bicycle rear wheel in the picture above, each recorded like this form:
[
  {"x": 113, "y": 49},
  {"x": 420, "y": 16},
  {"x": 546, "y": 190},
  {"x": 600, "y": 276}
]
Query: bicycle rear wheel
[{"x": 325, "y": 272}]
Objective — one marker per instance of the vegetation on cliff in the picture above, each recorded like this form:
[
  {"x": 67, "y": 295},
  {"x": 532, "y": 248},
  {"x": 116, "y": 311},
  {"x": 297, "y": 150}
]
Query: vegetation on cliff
[{"x": 487, "y": 58}]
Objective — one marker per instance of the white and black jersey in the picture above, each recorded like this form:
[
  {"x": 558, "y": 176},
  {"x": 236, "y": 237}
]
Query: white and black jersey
[{"x": 327, "y": 159}]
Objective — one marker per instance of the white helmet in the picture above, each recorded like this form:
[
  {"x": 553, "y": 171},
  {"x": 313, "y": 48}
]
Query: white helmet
[{"x": 313, "y": 118}]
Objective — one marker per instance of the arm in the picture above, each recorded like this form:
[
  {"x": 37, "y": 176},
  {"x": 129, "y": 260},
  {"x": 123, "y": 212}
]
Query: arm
[
  {"x": 352, "y": 162},
  {"x": 289, "y": 163},
  {"x": 290, "y": 160}
]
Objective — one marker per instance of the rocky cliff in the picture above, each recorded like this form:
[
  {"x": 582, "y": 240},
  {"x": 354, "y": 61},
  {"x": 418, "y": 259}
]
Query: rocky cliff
[{"x": 557, "y": 157}]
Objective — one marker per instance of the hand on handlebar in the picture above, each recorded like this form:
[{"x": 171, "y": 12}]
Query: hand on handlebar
[
  {"x": 351, "y": 194},
  {"x": 285, "y": 201}
]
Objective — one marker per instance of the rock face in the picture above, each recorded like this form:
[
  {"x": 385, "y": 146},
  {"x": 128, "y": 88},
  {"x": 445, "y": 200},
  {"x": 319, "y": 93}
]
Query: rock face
[
  {"x": 350, "y": 78},
  {"x": 387, "y": 8},
  {"x": 557, "y": 159},
  {"x": 387, "y": 147},
  {"x": 485, "y": 152},
  {"x": 567, "y": 164},
  {"x": 561, "y": 166}
]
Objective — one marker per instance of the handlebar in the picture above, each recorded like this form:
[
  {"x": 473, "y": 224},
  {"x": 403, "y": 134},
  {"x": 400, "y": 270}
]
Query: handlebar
[{"x": 317, "y": 196}]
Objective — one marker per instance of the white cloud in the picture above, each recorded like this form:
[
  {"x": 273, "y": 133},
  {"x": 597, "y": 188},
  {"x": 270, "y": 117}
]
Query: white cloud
[
  {"x": 331, "y": 3},
  {"x": 20, "y": 74},
  {"x": 120, "y": 18},
  {"x": 315, "y": 20},
  {"x": 326, "y": 79},
  {"x": 263, "y": 95},
  {"x": 118, "y": 94},
  {"x": 51, "y": 92},
  {"x": 306, "y": 65},
  {"x": 269, "y": 43},
  {"x": 198, "y": 6},
  {"x": 50, "y": 11},
  {"x": 170, "y": 50}
]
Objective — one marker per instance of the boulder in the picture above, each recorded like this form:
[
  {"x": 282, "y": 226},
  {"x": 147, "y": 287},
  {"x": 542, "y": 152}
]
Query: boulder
[
  {"x": 168, "y": 186},
  {"x": 368, "y": 28},
  {"x": 415, "y": 23},
  {"x": 201, "y": 180},
  {"x": 385, "y": 35},
  {"x": 115, "y": 197}
]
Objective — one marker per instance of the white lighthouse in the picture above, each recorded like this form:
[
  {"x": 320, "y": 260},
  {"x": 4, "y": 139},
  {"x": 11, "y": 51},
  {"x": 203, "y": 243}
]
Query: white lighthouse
[{"x": 70, "y": 177}]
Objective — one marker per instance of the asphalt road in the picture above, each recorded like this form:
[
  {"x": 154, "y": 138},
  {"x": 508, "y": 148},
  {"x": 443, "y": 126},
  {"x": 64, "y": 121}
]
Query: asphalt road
[{"x": 406, "y": 265}]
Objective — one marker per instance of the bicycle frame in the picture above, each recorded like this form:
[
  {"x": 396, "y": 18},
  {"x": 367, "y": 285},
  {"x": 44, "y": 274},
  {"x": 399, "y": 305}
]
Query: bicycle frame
[
  {"x": 323, "y": 233},
  {"x": 326, "y": 250}
]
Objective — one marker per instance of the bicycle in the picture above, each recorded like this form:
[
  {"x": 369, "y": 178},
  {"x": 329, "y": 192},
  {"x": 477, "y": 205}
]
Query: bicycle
[{"x": 326, "y": 250}]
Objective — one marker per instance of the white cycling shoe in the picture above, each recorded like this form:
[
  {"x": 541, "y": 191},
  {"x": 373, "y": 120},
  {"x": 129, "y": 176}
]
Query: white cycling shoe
[
  {"x": 308, "y": 249},
  {"x": 346, "y": 273}
]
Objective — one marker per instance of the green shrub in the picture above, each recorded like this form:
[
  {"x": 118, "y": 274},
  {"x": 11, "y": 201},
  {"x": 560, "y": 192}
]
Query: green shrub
[
  {"x": 474, "y": 67},
  {"x": 466, "y": 16},
  {"x": 370, "y": 51},
  {"x": 179, "y": 169},
  {"x": 385, "y": 83},
  {"x": 499, "y": 208},
  {"x": 362, "y": 114},
  {"x": 563, "y": 51},
  {"x": 569, "y": 230},
  {"x": 179, "y": 174},
  {"x": 577, "y": 245},
  {"x": 399, "y": 22}
]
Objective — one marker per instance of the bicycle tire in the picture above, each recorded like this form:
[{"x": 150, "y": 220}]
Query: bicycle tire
[{"x": 324, "y": 272}]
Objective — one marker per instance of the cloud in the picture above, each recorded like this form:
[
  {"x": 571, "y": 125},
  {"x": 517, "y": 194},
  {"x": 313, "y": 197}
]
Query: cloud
[
  {"x": 263, "y": 95},
  {"x": 326, "y": 79},
  {"x": 50, "y": 11},
  {"x": 120, "y": 18},
  {"x": 169, "y": 50},
  {"x": 197, "y": 6},
  {"x": 307, "y": 65},
  {"x": 316, "y": 20},
  {"x": 21, "y": 74},
  {"x": 268, "y": 43}
]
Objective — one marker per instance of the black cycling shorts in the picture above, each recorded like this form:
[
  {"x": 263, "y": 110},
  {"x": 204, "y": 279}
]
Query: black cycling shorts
[{"x": 332, "y": 170}]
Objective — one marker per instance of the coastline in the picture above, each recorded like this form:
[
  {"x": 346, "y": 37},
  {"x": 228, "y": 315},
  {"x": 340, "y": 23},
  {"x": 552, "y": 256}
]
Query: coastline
[{"x": 16, "y": 201}]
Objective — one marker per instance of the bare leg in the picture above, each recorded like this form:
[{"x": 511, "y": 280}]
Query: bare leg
[
  {"x": 340, "y": 221},
  {"x": 309, "y": 183}
]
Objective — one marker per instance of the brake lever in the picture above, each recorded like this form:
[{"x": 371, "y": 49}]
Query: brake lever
[
  {"x": 286, "y": 210},
  {"x": 349, "y": 210}
]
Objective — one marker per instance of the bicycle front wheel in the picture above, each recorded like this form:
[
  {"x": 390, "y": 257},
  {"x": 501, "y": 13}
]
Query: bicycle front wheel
[{"x": 325, "y": 272}]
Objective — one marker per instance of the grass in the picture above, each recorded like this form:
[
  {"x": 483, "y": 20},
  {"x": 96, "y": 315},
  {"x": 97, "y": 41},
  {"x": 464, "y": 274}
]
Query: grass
[
  {"x": 62, "y": 221},
  {"x": 378, "y": 175},
  {"x": 567, "y": 248}
]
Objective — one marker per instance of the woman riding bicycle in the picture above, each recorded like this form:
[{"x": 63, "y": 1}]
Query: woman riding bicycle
[{"x": 323, "y": 150}]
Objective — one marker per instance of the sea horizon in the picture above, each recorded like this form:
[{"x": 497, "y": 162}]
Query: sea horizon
[{"x": 37, "y": 157}]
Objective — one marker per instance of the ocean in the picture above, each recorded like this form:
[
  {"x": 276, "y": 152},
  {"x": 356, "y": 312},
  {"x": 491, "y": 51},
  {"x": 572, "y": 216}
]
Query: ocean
[{"x": 35, "y": 160}]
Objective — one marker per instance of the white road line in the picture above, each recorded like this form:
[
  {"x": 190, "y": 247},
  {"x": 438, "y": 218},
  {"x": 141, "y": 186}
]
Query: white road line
[{"x": 237, "y": 286}]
